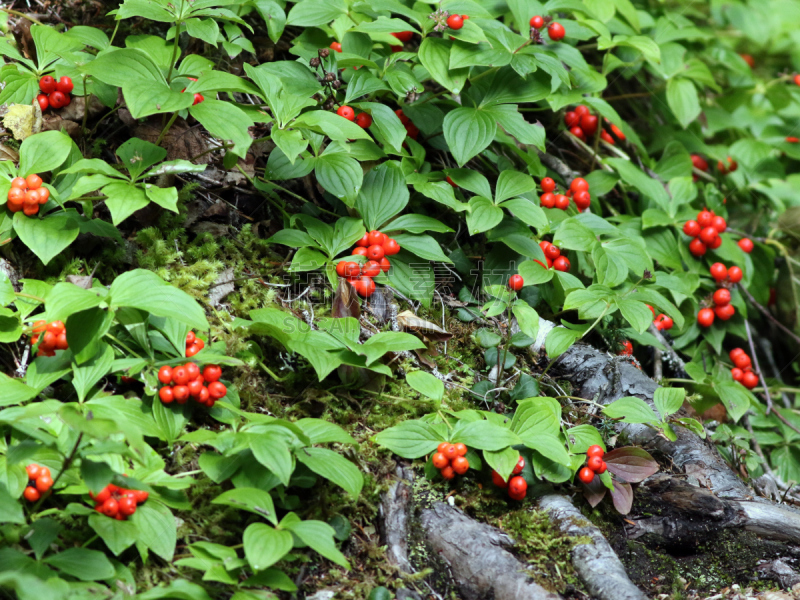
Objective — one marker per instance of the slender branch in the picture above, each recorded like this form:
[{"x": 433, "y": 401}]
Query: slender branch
[
  {"x": 767, "y": 314},
  {"x": 174, "y": 52},
  {"x": 756, "y": 446},
  {"x": 166, "y": 127},
  {"x": 758, "y": 369}
]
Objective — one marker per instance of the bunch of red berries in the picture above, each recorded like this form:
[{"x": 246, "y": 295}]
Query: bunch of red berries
[
  {"x": 662, "y": 321},
  {"x": 553, "y": 256},
  {"x": 451, "y": 459},
  {"x": 626, "y": 348},
  {"x": 53, "y": 337},
  {"x": 699, "y": 163},
  {"x": 186, "y": 381},
  {"x": 193, "y": 344},
  {"x": 411, "y": 130},
  {"x": 554, "y": 30},
  {"x": 729, "y": 168},
  {"x": 375, "y": 246},
  {"x": 706, "y": 232},
  {"x": 54, "y": 93},
  {"x": 595, "y": 465},
  {"x": 198, "y": 98},
  {"x": 117, "y": 502},
  {"x": 723, "y": 309},
  {"x": 39, "y": 481},
  {"x": 27, "y": 194},
  {"x": 742, "y": 370},
  {"x": 517, "y": 486},
  {"x": 363, "y": 120},
  {"x": 578, "y": 191}
]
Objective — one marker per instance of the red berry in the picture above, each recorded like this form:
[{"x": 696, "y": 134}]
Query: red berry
[
  {"x": 498, "y": 481},
  {"x": 704, "y": 218},
  {"x": 548, "y": 199},
  {"x": 797, "y": 79},
  {"x": 359, "y": 251},
  {"x": 442, "y": 447},
  {"x": 102, "y": 496},
  {"x": 589, "y": 125},
  {"x": 618, "y": 132},
  {"x": 705, "y": 317},
  {"x": 450, "y": 451},
  {"x": 217, "y": 390},
  {"x": 47, "y": 84},
  {"x": 665, "y": 322},
  {"x": 556, "y": 31},
  {"x": 735, "y": 352},
  {"x": 586, "y": 475},
  {"x": 180, "y": 393},
  {"x": 33, "y": 470},
  {"x": 448, "y": 472},
  {"x": 746, "y": 244},
  {"x": 579, "y": 184},
  {"x": 340, "y": 268},
  {"x": 365, "y": 287},
  {"x": 737, "y": 374},
  {"x": 581, "y": 110},
  {"x": 64, "y": 85},
  {"x": 403, "y": 119},
  {"x": 722, "y": 296},
  {"x": 364, "y": 241},
  {"x": 195, "y": 386},
  {"x": 519, "y": 466},
  {"x": 515, "y": 282},
  {"x": 627, "y": 348},
  {"x": 699, "y": 163},
  {"x": 44, "y": 482},
  {"x": 582, "y": 200},
  {"x": 336, "y": 46},
  {"x": 709, "y": 235},
  {"x": 31, "y": 494},
  {"x": 552, "y": 252},
  {"x": 548, "y": 185},
  {"x": 595, "y": 450},
  {"x": 455, "y": 22},
  {"x": 110, "y": 507},
  {"x": 165, "y": 374},
  {"x": 460, "y": 465},
  {"x": 375, "y": 252},
  {"x": 403, "y": 36},
  {"x": 385, "y": 264},
  {"x": 742, "y": 361},
  {"x": 371, "y": 269},
  {"x": 561, "y": 202},
  {"x": 718, "y": 271},
  {"x": 572, "y": 119},
  {"x": 792, "y": 139},
  {"x": 391, "y": 247},
  {"x": 180, "y": 376},
  {"x": 166, "y": 394},
  {"x": 561, "y": 264},
  {"x": 363, "y": 120},
  {"x": 346, "y": 112},
  {"x": 578, "y": 133},
  {"x": 352, "y": 269},
  {"x": 127, "y": 506},
  {"x": 34, "y": 182},
  {"x": 57, "y": 99},
  {"x": 376, "y": 238},
  {"x": 212, "y": 372},
  {"x": 197, "y": 99},
  {"x": 594, "y": 463},
  {"x": 719, "y": 224},
  {"x": 440, "y": 461},
  {"x": 43, "y": 101},
  {"x": 750, "y": 380},
  {"x": 517, "y": 486},
  {"x": 461, "y": 449},
  {"x": 692, "y": 228},
  {"x": 192, "y": 370},
  {"x": 696, "y": 247},
  {"x": 602, "y": 468},
  {"x": 537, "y": 22},
  {"x": 724, "y": 311},
  {"x": 44, "y": 472},
  {"x": 735, "y": 274},
  {"x": 140, "y": 496}
]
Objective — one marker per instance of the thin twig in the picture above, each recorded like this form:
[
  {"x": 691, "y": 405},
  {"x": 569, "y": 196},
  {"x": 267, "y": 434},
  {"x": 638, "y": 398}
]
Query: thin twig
[
  {"x": 767, "y": 314},
  {"x": 756, "y": 446},
  {"x": 758, "y": 369}
]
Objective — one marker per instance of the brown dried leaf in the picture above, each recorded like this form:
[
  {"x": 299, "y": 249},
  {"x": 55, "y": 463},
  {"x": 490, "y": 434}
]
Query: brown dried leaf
[
  {"x": 53, "y": 122},
  {"x": 82, "y": 281},
  {"x": 622, "y": 496},
  {"x": 631, "y": 464},
  {"x": 432, "y": 331},
  {"x": 8, "y": 153},
  {"x": 345, "y": 301},
  {"x": 181, "y": 141},
  {"x": 75, "y": 109},
  {"x": 594, "y": 491}
]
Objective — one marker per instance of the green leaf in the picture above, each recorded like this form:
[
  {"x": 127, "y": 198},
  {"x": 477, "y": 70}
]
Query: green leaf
[
  {"x": 426, "y": 384},
  {"x": 503, "y": 461},
  {"x": 310, "y": 13},
  {"x": 668, "y": 400},
  {"x": 635, "y": 313},
  {"x": 409, "y": 439},
  {"x": 581, "y": 437},
  {"x": 574, "y": 235},
  {"x": 46, "y": 237},
  {"x": 318, "y": 536},
  {"x": 123, "y": 200},
  {"x": 534, "y": 272},
  {"x": 434, "y": 54},
  {"x": 387, "y": 123},
  {"x": 291, "y": 142},
  {"x": 144, "y": 97},
  {"x": 10, "y": 508},
  {"x": 340, "y": 175},
  {"x": 467, "y": 132},
  {"x": 333, "y": 466},
  {"x": 388, "y": 341},
  {"x": 527, "y": 212},
  {"x": 559, "y": 341},
  {"x": 14, "y": 391},
  {"x": 735, "y": 397},
  {"x": 117, "y": 535},
  {"x": 264, "y": 545},
  {"x": 272, "y": 450},
  {"x": 225, "y": 121},
  {"x": 146, "y": 291},
  {"x": 414, "y": 223},
  {"x": 536, "y": 416},
  {"x": 92, "y": 371},
  {"x": 549, "y": 446},
  {"x": 82, "y": 563},
  {"x": 156, "y": 529},
  {"x": 66, "y": 299},
  {"x": 513, "y": 183},
  {"x": 484, "y": 435},
  {"x": 631, "y": 410},
  {"x": 43, "y": 152},
  {"x": 483, "y": 215},
  {"x": 634, "y": 176},
  {"x": 383, "y": 195},
  {"x": 683, "y": 101},
  {"x": 527, "y": 319},
  {"x": 251, "y": 499},
  {"x": 423, "y": 246},
  {"x": 124, "y": 65}
]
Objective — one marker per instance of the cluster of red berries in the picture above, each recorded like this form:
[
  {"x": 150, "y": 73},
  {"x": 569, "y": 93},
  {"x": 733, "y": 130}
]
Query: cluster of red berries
[
  {"x": 53, "y": 337},
  {"x": 699, "y": 163},
  {"x": 723, "y": 309},
  {"x": 517, "y": 486},
  {"x": 729, "y": 168},
  {"x": 186, "y": 381},
  {"x": 27, "y": 194},
  {"x": 117, "y": 502},
  {"x": 583, "y": 124},
  {"x": 363, "y": 120},
  {"x": 552, "y": 255},
  {"x": 54, "y": 93},
  {"x": 39, "y": 481},
  {"x": 595, "y": 465},
  {"x": 375, "y": 246},
  {"x": 515, "y": 282},
  {"x": 198, "y": 98},
  {"x": 626, "y": 348},
  {"x": 412, "y": 130},
  {"x": 661, "y": 321},
  {"x": 705, "y": 231},
  {"x": 742, "y": 370},
  {"x": 450, "y": 459},
  {"x": 578, "y": 191},
  {"x": 193, "y": 344},
  {"x": 456, "y": 22},
  {"x": 554, "y": 30}
]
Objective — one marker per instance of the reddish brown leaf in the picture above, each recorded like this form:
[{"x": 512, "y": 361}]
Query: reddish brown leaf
[
  {"x": 594, "y": 492},
  {"x": 345, "y": 301},
  {"x": 631, "y": 464},
  {"x": 622, "y": 495}
]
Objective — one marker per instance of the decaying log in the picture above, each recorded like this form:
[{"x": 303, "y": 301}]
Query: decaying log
[
  {"x": 394, "y": 513},
  {"x": 596, "y": 563},
  {"x": 477, "y": 556}
]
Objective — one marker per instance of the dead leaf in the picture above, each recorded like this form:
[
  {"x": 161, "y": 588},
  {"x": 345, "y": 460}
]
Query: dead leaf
[
  {"x": 431, "y": 331},
  {"x": 181, "y": 141},
  {"x": 53, "y": 122},
  {"x": 82, "y": 281},
  {"x": 23, "y": 120},
  {"x": 8, "y": 153},
  {"x": 345, "y": 301},
  {"x": 222, "y": 287},
  {"x": 74, "y": 110}
]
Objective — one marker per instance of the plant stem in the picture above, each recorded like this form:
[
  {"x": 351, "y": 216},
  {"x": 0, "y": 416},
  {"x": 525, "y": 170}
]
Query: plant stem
[
  {"x": 166, "y": 127},
  {"x": 174, "y": 52},
  {"x": 31, "y": 296},
  {"x": 108, "y": 335},
  {"x": 21, "y": 15}
]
